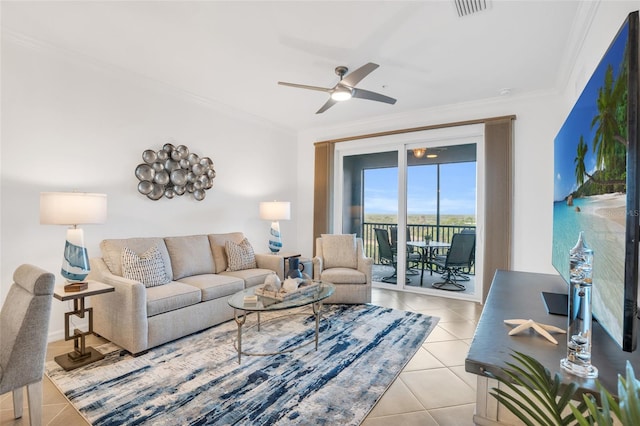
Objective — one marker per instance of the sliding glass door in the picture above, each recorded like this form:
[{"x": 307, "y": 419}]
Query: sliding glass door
[
  {"x": 441, "y": 202},
  {"x": 407, "y": 200},
  {"x": 370, "y": 207}
]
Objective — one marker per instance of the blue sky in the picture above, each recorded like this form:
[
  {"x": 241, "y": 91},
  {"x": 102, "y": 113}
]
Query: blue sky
[
  {"x": 457, "y": 189},
  {"x": 579, "y": 123}
]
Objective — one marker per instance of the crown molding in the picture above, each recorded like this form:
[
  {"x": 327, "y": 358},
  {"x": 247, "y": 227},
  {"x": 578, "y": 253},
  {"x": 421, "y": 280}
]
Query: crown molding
[
  {"x": 585, "y": 15},
  {"x": 472, "y": 110}
]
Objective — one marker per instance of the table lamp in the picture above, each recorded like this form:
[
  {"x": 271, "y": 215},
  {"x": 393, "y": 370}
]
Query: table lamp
[
  {"x": 275, "y": 211},
  {"x": 73, "y": 209}
]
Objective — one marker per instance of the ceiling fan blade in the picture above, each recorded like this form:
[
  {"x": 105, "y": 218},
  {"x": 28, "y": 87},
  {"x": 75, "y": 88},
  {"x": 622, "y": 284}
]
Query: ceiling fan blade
[
  {"x": 331, "y": 102},
  {"x": 372, "y": 96},
  {"x": 355, "y": 76},
  {"x": 304, "y": 86}
]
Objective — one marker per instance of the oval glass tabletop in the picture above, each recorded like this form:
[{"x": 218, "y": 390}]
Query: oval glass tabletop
[{"x": 265, "y": 303}]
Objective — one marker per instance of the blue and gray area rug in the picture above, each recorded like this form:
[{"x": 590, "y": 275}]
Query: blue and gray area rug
[{"x": 197, "y": 380}]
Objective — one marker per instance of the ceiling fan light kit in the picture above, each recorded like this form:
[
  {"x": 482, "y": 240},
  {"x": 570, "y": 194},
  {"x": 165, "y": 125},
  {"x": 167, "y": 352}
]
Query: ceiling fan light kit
[
  {"x": 345, "y": 89},
  {"x": 341, "y": 94}
]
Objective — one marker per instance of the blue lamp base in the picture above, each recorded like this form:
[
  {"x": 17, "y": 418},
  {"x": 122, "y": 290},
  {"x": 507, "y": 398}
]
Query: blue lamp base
[
  {"x": 75, "y": 263},
  {"x": 275, "y": 242}
]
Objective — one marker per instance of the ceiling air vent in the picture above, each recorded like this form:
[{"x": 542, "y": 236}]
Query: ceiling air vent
[{"x": 467, "y": 7}]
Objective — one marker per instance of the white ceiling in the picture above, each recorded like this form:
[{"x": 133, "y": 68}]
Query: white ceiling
[{"x": 232, "y": 54}]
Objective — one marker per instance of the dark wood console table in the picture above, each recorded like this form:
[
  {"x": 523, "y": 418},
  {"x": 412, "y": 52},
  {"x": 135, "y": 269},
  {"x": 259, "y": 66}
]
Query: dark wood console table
[{"x": 518, "y": 295}]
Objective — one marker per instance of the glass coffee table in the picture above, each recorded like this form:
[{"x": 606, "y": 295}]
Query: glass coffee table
[{"x": 266, "y": 304}]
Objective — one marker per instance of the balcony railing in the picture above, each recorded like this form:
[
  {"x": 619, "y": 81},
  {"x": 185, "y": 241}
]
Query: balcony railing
[{"x": 443, "y": 233}]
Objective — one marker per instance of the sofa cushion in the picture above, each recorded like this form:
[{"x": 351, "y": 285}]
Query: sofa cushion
[
  {"x": 217, "y": 248},
  {"x": 112, "y": 252},
  {"x": 339, "y": 251},
  {"x": 170, "y": 297},
  {"x": 147, "y": 268},
  {"x": 190, "y": 255},
  {"x": 343, "y": 276},
  {"x": 239, "y": 256},
  {"x": 215, "y": 286},
  {"x": 251, "y": 277}
]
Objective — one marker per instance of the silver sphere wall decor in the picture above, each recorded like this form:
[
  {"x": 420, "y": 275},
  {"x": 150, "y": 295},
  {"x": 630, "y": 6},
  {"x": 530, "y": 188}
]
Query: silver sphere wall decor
[{"x": 174, "y": 171}]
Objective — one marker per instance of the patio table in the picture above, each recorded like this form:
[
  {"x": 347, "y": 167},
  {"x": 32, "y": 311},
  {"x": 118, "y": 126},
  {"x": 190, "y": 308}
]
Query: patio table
[{"x": 427, "y": 250}]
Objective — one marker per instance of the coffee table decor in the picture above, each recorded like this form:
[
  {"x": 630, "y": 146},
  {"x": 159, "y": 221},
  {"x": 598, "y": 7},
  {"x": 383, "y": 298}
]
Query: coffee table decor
[
  {"x": 197, "y": 380},
  {"x": 292, "y": 287}
]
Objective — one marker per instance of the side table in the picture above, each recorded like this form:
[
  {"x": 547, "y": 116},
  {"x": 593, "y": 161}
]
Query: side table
[
  {"x": 307, "y": 265},
  {"x": 81, "y": 355}
]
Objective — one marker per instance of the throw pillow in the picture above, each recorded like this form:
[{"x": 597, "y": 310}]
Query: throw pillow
[
  {"x": 240, "y": 256},
  {"x": 339, "y": 251},
  {"x": 190, "y": 255},
  {"x": 147, "y": 268}
]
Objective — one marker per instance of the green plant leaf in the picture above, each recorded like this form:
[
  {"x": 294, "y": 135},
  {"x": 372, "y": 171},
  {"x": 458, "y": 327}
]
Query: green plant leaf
[
  {"x": 579, "y": 417},
  {"x": 565, "y": 400},
  {"x": 538, "y": 399},
  {"x": 523, "y": 378},
  {"x": 628, "y": 390},
  {"x": 596, "y": 413},
  {"x": 506, "y": 399},
  {"x": 540, "y": 395}
]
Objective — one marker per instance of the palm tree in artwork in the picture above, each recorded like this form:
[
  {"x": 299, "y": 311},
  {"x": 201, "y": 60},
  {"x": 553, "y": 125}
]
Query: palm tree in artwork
[
  {"x": 610, "y": 142},
  {"x": 581, "y": 171}
]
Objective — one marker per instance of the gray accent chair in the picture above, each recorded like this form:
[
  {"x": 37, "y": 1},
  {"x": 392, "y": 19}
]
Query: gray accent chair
[
  {"x": 24, "y": 327},
  {"x": 340, "y": 260}
]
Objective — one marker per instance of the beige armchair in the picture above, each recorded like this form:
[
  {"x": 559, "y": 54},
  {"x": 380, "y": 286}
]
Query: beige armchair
[
  {"x": 24, "y": 326},
  {"x": 340, "y": 260}
]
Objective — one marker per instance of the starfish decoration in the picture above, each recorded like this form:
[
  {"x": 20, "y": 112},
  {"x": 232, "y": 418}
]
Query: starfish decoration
[{"x": 542, "y": 329}]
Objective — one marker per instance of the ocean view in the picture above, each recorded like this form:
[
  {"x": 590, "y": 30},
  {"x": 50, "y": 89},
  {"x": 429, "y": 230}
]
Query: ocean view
[{"x": 598, "y": 218}]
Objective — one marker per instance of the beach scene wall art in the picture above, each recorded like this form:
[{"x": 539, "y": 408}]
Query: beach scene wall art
[{"x": 594, "y": 160}]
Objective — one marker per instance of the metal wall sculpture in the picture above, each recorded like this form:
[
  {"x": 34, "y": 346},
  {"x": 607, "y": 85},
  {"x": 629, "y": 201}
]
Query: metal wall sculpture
[{"x": 174, "y": 171}]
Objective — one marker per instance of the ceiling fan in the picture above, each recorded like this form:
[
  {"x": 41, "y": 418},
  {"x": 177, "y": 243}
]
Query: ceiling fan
[{"x": 346, "y": 87}]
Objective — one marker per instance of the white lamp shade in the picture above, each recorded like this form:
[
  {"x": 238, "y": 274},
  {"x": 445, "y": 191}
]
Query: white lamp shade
[
  {"x": 72, "y": 208},
  {"x": 275, "y": 210}
]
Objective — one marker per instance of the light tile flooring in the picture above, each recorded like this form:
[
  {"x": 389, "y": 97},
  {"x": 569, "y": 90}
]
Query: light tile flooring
[{"x": 433, "y": 389}]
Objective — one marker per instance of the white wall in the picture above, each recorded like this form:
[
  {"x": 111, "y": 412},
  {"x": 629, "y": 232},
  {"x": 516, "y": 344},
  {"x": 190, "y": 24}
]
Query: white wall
[{"x": 71, "y": 124}]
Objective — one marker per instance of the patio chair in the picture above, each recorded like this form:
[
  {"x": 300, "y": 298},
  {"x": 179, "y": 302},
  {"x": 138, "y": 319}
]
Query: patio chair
[
  {"x": 24, "y": 326},
  {"x": 388, "y": 256},
  {"x": 458, "y": 258},
  {"x": 473, "y": 254},
  {"x": 413, "y": 258}
]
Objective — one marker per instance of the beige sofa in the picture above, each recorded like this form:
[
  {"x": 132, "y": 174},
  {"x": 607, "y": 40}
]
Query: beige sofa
[{"x": 139, "y": 316}]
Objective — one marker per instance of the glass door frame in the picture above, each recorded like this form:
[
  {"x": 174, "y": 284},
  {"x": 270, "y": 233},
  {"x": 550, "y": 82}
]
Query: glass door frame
[{"x": 402, "y": 143}]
